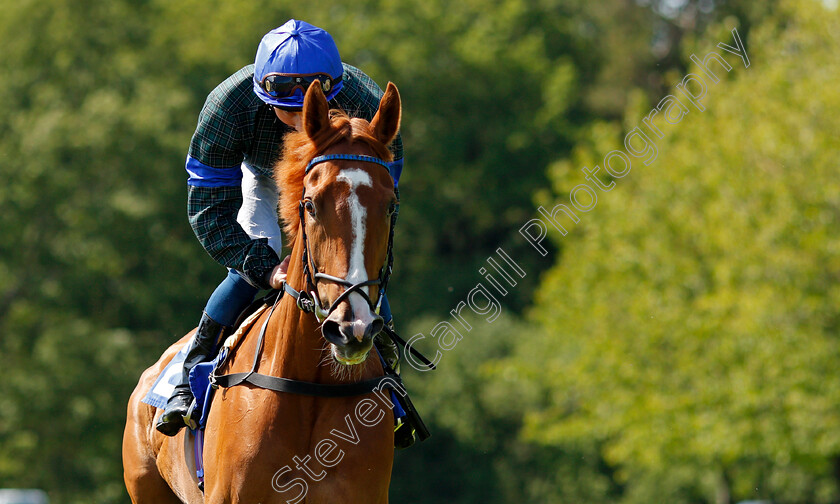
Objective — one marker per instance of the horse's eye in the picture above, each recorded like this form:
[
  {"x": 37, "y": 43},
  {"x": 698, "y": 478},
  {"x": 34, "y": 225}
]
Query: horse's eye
[{"x": 310, "y": 207}]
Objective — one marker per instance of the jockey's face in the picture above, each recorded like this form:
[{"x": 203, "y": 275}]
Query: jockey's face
[{"x": 293, "y": 119}]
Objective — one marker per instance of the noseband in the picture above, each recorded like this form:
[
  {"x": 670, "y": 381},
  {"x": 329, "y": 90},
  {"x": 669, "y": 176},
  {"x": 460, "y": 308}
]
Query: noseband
[{"x": 309, "y": 302}]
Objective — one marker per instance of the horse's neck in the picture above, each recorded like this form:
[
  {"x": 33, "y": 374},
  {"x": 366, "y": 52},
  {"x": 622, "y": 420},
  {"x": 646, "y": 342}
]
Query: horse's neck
[{"x": 293, "y": 348}]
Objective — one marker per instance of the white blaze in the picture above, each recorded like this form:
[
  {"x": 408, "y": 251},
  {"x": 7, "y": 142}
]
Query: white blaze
[{"x": 356, "y": 272}]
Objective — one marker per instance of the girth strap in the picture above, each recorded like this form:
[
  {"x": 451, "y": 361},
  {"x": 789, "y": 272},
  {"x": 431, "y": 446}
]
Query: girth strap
[{"x": 308, "y": 388}]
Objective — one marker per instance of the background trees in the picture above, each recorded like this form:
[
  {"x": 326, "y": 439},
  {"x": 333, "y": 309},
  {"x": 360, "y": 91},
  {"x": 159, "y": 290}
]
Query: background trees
[
  {"x": 680, "y": 345},
  {"x": 692, "y": 318}
]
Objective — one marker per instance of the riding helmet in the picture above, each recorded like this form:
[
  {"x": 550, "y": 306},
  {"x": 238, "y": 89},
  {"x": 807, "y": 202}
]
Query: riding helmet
[{"x": 299, "y": 49}]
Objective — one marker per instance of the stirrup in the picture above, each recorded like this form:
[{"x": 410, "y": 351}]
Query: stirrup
[{"x": 404, "y": 435}]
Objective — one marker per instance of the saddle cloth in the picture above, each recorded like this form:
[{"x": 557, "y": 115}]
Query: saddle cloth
[{"x": 169, "y": 377}]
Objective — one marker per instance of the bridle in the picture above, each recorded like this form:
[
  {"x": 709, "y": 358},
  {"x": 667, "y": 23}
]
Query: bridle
[
  {"x": 311, "y": 304},
  {"x": 309, "y": 301}
]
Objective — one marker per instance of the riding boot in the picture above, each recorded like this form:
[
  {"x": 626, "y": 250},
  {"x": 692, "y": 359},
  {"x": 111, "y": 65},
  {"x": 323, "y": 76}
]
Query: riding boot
[{"x": 174, "y": 415}]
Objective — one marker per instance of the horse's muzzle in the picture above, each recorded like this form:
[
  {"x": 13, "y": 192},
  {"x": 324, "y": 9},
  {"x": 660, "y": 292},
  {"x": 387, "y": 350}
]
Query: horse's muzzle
[{"x": 352, "y": 339}]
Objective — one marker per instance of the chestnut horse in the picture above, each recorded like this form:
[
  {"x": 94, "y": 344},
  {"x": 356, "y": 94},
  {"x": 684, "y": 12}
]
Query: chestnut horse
[{"x": 264, "y": 446}]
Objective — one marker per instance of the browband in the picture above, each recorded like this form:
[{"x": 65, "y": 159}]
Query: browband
[{"x": 346, "y": 157}]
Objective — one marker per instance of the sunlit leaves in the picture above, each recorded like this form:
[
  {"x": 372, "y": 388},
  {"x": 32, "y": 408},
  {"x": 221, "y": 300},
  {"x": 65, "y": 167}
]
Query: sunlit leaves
[{"x": 693, "y": 317}]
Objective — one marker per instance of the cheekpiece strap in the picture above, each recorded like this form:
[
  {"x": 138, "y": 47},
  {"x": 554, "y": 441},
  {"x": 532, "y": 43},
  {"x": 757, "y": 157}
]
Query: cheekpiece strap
[{"x": 346, "y": 157}]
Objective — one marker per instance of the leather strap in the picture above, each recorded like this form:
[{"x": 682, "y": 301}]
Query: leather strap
[
  {"x": 396, "y": 337},
  {"x": 346, "y": 157},
  {"x": 307, "y": 388}
]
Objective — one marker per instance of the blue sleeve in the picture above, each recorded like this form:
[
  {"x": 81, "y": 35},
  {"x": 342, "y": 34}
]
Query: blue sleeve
[{"x": 201, "y": 175}]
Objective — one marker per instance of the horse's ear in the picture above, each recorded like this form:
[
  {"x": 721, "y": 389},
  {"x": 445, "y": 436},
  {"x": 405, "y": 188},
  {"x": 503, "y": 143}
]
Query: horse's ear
[
  {"x": 316, "y": 111},
  {"x": 386, "y": 122}
]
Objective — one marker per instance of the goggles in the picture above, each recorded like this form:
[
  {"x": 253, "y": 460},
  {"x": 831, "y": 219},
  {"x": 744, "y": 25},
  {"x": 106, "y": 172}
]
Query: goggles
[{"x": 283, "y": 86}]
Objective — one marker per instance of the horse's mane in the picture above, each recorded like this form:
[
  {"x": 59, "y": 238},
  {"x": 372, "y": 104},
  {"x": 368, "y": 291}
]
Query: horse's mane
[{"x": 299, "y": 149}]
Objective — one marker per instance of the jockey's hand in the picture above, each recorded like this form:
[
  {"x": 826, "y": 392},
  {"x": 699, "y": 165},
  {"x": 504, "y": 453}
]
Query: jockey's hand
[{"x": 278, "y": 275}]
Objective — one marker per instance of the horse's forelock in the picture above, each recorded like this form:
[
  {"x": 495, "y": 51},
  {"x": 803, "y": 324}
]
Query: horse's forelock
[{"x": 298, "y": 149}]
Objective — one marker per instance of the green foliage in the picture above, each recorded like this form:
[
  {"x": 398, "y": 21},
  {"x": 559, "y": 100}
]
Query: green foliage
[
  {"x": 475, "y": 412},
  {"x": 95, "y": 261},
  {"x": 693, "y": 315},
  {"x": 99, "y": 270}
]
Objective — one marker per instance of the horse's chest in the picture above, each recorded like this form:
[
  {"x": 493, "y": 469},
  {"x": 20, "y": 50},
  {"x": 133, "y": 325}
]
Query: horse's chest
[{"x": 329, "y": 457}]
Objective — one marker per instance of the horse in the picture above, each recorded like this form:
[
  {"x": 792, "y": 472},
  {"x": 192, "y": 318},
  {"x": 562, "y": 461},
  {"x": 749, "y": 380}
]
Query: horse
[{"x": 263, "y": 446}]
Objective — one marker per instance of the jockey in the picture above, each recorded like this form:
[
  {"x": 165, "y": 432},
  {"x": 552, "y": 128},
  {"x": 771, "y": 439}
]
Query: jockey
[{"x": 232, "y": 199}]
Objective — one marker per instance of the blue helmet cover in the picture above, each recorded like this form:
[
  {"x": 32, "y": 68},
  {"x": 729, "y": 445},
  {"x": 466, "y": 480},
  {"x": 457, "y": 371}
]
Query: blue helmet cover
[{"x": 296, "y": 48}]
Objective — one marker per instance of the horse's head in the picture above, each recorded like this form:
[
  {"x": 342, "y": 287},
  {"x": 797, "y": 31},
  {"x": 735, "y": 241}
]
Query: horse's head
[{"x": 339, "y": 211}]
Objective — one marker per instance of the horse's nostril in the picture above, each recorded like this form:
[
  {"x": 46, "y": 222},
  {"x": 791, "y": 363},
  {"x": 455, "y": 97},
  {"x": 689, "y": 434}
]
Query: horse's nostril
[
  {"x": 332, "y": 332},
  {"x": 376, "y": 326},
  {"x": 344, "y": 334}
]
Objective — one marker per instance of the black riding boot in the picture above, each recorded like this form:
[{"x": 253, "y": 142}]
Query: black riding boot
[{"x": 173, "y": 416}]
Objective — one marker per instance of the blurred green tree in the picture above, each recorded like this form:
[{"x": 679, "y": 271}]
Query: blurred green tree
[
  {"x": 96, "y": 261},
  {"x": 475, "y": 455},
  {"x": 99, "y": 270},
  {"x": 690, "y": 325}
]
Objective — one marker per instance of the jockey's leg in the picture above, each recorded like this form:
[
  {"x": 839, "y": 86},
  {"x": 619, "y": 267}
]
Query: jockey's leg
[
  {"x": 258, "y": 218},
  {"x": 232, "y": 296}
]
